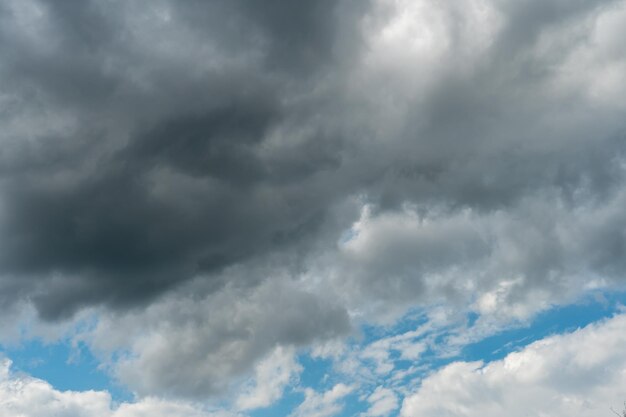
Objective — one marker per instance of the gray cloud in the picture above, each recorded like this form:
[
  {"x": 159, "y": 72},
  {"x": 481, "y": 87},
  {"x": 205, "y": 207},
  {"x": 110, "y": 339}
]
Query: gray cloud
[
  {"x": 149, "y": 169},
  {"x": 195, "y": 346}
]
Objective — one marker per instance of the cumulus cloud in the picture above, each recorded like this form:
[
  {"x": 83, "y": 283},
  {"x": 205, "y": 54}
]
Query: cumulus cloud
[
  {"x": 582, "y": 373},
  {"x": 25, "y": 396},
  {"x": 509, "y": 264},
  {"x": 190, "y": 347}
]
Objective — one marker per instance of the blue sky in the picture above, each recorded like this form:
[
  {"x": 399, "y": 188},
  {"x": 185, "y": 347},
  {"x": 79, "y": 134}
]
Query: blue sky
[{"x": 233, "y": 208}]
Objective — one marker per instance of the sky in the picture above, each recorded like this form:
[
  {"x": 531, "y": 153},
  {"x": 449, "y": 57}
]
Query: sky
[{"x": 238, "y": 208}]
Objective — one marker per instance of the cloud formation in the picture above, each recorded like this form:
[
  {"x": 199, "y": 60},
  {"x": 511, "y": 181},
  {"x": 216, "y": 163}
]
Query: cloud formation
[
  {"x": 581, "y": 373},
  {"x": 24, "y": 396},
  {"x": 179, "y": 347},
  {"x": 139, "y": 170},
  {"x": 382, "y": 402},
  {"x": 223, "y": 180},
  {"x": 322, "y": 404},
  {"x": 128, "y": 168}
]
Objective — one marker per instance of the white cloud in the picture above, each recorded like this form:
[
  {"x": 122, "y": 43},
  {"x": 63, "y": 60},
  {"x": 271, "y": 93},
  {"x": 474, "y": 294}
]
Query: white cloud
[
  {"x": 325, "y": 404},
  {"x": 582, "y": 373},
  {"x": 408, "y": 346},
  {"x": 25, "y": 396},
  {"x": 29, "y": 397},
  {"x": 272, "y": 375},
  {"x": 382, "y": 402}
]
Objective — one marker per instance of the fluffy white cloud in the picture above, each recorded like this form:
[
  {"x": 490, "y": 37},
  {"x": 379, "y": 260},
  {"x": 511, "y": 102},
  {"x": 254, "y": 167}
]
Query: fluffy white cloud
[
  {"x": 24, "y": 396},
  {"x": 29, "y": 397},
  {"x": 582, "y": 373}
]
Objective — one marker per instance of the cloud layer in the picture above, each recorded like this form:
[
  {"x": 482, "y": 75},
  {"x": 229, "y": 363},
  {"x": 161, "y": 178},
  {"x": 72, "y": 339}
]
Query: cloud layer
[{"x": 223, "y": 183}]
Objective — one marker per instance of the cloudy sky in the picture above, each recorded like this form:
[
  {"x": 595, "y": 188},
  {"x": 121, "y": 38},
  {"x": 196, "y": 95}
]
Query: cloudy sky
[{"x": 240, "y": 208}]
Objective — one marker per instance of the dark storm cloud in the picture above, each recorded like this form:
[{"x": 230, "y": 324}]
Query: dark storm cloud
[
  {"x": 121, "y": 228},
  {"x": 150, "y": 181}
]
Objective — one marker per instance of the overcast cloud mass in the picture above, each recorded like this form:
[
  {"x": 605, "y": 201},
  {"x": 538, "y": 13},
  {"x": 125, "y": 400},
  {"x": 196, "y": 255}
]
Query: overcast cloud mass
[{"x": 202, "y": 192}]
